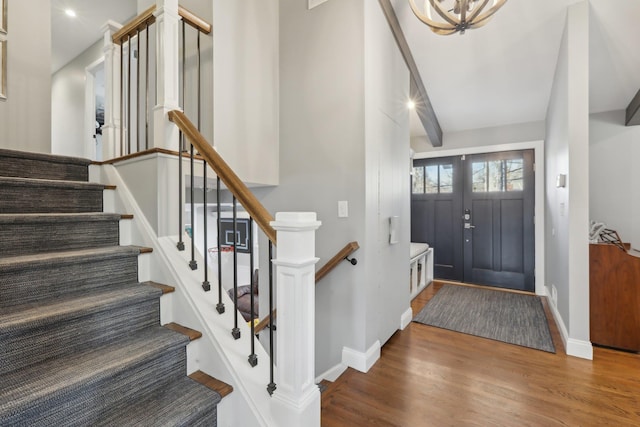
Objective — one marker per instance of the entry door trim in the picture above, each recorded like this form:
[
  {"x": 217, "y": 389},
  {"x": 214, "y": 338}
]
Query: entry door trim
[{"x": 539, "y": 157}]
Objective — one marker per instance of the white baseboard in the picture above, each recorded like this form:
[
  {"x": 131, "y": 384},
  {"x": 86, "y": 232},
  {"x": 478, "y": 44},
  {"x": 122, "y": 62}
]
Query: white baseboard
[
  {"x": 361, "y": 361},
  {"x": 579, "y": 348},
  {"x": 332, "y": 374},
  {"x": 573, "y": 347},
  {"x": 406, "y": 318}
]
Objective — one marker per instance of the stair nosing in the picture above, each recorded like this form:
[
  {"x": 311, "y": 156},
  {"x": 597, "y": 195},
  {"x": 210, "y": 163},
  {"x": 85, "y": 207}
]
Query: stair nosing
[
  {"x": 9, "y": 263},
  {"x": 81, "y": 185}
]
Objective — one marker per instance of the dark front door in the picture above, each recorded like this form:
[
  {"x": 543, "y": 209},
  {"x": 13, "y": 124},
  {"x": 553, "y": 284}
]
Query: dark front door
[
  {"x": 436, "y": 204},
  {"x": 476, "y": 211},
  {"x": 498, "y": 219}
]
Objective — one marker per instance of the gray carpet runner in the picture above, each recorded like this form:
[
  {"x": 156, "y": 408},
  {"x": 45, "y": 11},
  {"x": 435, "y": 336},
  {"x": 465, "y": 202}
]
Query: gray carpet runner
[{"x": 80, "y": 338}]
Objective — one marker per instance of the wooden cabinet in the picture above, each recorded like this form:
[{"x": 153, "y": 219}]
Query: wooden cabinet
[{"x": 614, "y": 283}]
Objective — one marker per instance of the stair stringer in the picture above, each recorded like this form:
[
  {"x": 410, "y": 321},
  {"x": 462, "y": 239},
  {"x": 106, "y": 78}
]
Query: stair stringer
[{"x": 216, "y": 353}]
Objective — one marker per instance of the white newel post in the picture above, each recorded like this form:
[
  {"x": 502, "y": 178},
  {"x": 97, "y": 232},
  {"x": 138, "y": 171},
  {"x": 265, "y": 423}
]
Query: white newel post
[
  {"x": 111, "y": 127},
  {"x": 165, "y": 134},
  {"x": 296, "y": 401}
]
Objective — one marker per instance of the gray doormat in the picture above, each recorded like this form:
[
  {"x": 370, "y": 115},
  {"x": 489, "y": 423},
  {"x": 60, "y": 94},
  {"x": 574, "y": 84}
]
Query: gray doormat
[{"x": 503, "y": 316}]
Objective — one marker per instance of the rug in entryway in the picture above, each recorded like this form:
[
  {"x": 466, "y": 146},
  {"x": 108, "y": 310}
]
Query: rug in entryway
[{"x": 503, "y": 316}]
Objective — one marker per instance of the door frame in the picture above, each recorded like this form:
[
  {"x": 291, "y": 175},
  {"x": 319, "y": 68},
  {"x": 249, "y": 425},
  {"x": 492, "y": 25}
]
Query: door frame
[
  {"x": 538, "y": 149},
  {"x": 90, "y": 107}
]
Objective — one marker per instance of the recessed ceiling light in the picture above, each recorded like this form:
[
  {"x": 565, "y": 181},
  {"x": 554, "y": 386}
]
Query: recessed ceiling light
[
  {"x": 411, "y": 104},
  {"x": 70, "y": 12}
]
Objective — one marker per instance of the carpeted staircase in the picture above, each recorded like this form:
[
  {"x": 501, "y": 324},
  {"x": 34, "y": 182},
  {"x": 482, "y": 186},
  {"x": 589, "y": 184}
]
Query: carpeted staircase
[{"x": 80, "y": 339}]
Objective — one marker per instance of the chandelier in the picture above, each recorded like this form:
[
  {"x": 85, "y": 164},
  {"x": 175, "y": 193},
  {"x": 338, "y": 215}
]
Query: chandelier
[{"x": 452, "y": 16}]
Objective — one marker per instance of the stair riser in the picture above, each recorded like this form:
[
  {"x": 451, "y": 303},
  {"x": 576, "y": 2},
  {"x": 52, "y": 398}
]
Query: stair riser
[
  {"x": 69, "y": 407},
  {"x": 40, "y": 169},
  {"x": 41, "y": 282},
  {"x": 30, "y": 238},
  {"x": 45, "y": 199},
  {"x": 69, "y": 335}
]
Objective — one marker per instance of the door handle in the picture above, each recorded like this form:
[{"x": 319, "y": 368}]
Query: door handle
[{"x": 467, "y": 225}]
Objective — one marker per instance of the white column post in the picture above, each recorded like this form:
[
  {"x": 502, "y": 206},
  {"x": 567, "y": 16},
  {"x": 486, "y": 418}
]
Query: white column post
[
  {"x": 111, "y": 127},
  {"x": 165, "y": 134},
  {"x": 296, "y": 400}
]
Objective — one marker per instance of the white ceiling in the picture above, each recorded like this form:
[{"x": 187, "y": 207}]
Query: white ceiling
[
  {"x": 499, "y": 74},
  {"x": 502, "y": 73},
  {"x": 71, "y": 36}
]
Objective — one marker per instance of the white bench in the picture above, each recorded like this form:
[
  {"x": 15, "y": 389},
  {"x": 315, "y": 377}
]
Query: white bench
[{"x": 421, "y": 267}]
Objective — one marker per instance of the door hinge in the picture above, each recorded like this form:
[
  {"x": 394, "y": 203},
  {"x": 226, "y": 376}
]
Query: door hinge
[
  {"x": 534, "y": 219},
  {"x": 534, "y": 167}
]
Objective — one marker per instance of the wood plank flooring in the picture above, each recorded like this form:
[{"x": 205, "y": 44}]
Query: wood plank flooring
[{"x": 428, "y": 376}]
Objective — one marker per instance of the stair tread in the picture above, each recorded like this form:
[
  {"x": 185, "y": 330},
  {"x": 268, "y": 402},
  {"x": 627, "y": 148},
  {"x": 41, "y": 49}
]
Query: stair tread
[
  {"x": 222, "y": 388},
  {"x": 75, "y": 305},
  {"x": 15, "y": 218},
  {"x": 54, "y": 158},
  {"x": 192, "y": 334},
  {"x": 17, "y": 261},
  {"x": 91, "y": 365},
  {"x": 166, "y": 289},
  {"x": 172, "y": 405},
  {"x": 80, "y": 185}
]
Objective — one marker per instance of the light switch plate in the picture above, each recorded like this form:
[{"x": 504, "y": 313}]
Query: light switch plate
[{"x": 343, "y": 209}]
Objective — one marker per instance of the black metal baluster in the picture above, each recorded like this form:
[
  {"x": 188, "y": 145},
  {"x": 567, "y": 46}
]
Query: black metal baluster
[
  {"x": 122, "y": 96},
  {"x": 146, "y": 108},
  {"x": 198, "y": 79},
  {"x": 193, "y": 264},
  {"x": 180, "y": 244},
  {"x": 220, "y": 305},
  {"x": 205, "y": 285},
  {"x": 272, "y": 385},
  {"x": 129, "y": 97},
  {"x": 137, "y": 57},
  {"x": 184, "y": 61},
  {"x": 253, "y": 357},
  {"x": 236, "y": 331}
]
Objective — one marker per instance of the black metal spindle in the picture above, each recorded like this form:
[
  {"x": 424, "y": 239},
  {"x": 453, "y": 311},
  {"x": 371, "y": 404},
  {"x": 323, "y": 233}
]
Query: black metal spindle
[
  {"x": 180, "y": 244},
  {"x": 184, "y": 61},
  {"x": 205, "y": 284},
  {"x": 193, "y": 264},
  {"x": 198, "y": 80},
  {"x": 122, "y": 96},
  {"x": 236, "y": 331},
  {"x": 253, "y": 357},
  {"x": 137, "y": 57},
  {"x": 272, "y": 385},
  {"x": 220, "y": 305},
  {"x": 146, "y": 108},
  {"x": 129, "y": 96}
]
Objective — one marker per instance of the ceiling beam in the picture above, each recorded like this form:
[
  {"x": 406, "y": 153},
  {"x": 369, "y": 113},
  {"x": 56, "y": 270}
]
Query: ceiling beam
[
  {"x": 418, "y": 91},
  {"x": 633, "y": 111}
]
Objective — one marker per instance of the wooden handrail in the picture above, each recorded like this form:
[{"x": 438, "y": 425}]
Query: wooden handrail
[
  {"x": 138, "y": 23},
  {"x": 147, "y": 17},
  {"x": 323, "y": 271},
  {"x": 246, "y": 198},
  {"x": 333, "y": 262}
]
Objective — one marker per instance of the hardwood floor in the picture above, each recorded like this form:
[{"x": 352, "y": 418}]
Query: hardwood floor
[{"x": 428, "y": 376}]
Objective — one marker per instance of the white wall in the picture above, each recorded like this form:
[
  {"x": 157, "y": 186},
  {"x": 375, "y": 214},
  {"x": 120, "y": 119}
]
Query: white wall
[
  {"x": 25, "y": 116},
  {"x": 322, "y": 153},
  {"x": 68, "y": 104},
  {"x": 246, "y": 87},
  {"x": 507, "y": 134},
  {"x": 567, "y": 152},
  {"x": 387, "y": 178},
  {"x": 345, "y": 136},
  {"x": 613, "y": 193}
]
